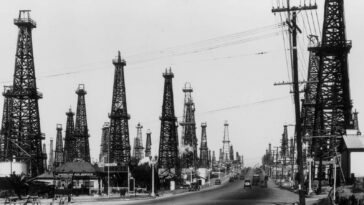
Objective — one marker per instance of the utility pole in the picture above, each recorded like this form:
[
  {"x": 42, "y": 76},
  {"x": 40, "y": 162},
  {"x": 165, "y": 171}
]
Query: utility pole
[{"x": 293, "y": 38}]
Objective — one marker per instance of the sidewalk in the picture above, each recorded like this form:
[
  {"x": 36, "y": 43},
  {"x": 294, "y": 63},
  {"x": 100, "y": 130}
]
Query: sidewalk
[{"x": 310, "y": 199}]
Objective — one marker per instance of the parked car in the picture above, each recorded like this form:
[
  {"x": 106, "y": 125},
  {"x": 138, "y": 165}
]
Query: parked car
[
  {"x": 242, "y": 177},
  {"x": 247, "y": 183},
  {"x": 194, "y": 187},
  {"x": 231, "y": 179},
  {"x": 217, "y": 182}
]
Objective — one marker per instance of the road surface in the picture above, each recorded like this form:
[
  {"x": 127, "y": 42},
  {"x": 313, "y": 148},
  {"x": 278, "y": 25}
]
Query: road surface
[{"x": 229, "y": 194}]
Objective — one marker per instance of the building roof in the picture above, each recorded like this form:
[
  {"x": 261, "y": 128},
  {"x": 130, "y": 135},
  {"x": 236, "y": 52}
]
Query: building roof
[
  {"x": 354, "y": 141},
  {"x": 45, "y": 175},
  {"x": 77, "y": 167}
]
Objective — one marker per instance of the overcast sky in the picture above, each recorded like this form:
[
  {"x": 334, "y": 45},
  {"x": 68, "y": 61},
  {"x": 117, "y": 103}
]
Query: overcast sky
[{"x": 232, "y": 75}]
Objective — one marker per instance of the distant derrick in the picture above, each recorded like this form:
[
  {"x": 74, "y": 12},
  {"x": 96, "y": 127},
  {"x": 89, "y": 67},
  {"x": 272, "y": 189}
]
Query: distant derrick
[
  {"x": 104, "y": 143},
  {"x": 284, "y": 145},
  {"x": 51, "y": 155},
  {"x": 119, "y": 128},
  {"x": 356, "y": 121},
  {"x": 209, "y": 159},
  {"x": 189, "y": 139},
  {"x": 226, "y": 144},
  {"x": 168, "y": 143},
  {"x": 59, "y": 147},
  {"x": 138, "y": 143},
  {"x": 70, "y": 152},
  {"x": 213, "y": 160},
  {"x": 204, "y": 152},
  {"x": 24, "y": 131},
  {"x": 231, "y": 153},
  {"x": 221, "y": 156},
  {"x": 6, "y": 124},
  {"x": 44, "y": 153},
  {"x": 148, "y": 145},
  {"x": 309, "y": 101},
  {"x": 81, "y": 129}
]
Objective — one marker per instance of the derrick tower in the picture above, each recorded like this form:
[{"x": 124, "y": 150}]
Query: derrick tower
[
  {"x": 138, "y": 143},
  {"x": 70, "y": 152},
  {"x": 356, "y": 121},
  {"x": 104, "y": 142},
  {"x": 204, "y": 152},
  {"x": 44, "y": 153},
  {"x": 284, "y": 144},
  {"x": 5, "y": 145},
  {"x": 213, "y": 160},
  {"x": 25, "y": 130},
  {"x": 168, "y": 144},
  {"x": 51, "y": 155},
  {"x": 333, "y": 102},
  {"x": 189, "y": 139},
  {"x": 231, "y": 153},
  {"x": 209, "y": 159},
  {"x": 58, "y": 160},
  {"x": 148, "y": 145},
  {"x": 81, "y": 130},
  {"x": 310, "y": 93},
  {"x": 226, "y": 144},
  {"x": 119, "y": 128}
]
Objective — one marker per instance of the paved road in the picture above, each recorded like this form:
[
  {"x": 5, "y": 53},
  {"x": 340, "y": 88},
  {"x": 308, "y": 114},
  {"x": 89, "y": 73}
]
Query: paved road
[{"x": 229, "y": 194}]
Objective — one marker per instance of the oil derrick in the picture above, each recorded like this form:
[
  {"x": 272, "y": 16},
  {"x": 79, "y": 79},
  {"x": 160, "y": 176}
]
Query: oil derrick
[
  {"x": 189, "y": 139},
  {"x": 81, "y": 130},
  {"x": 226, "y": 144},
  {"x": 58, "y": 159},
  {"x": 221, "y": 156},
  {"x": 333, "y": 113},
  {"x": 213, "y": 160},
  {"x": 333, "y": 102},
  {"x": 356, "y": 121},
  {"x": 70, "y": 153},
  {"x": 168, "y": 162},
  {"x": 284, "y": 145},
  {"x": 231, "y": 153},
  {"x": 119, "y": 128},
  {"x": 25, "y": 130},
  {"x": 44, "y": 153},
  {"x": 148, "y": 145},
  {"x": 204, "y": 152},
  {"x": 5, "y": 145},
  {"x": 310, "y": 93},
  {"x": 209, "y": 159},
  {"x": 104, "y": 143},
  {"x": 51, "y": 155},
  {"x": 237, "y": 158},
  {"x": 138, "y": 143}
]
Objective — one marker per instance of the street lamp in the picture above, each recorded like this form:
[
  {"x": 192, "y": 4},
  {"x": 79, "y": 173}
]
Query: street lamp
[
  {"x": 309, "y": 160},
  {"x": 153, "y": 162}
]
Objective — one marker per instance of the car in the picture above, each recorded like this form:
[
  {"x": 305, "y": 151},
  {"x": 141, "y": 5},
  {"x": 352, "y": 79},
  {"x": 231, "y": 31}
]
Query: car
[
  {"x": 217, "y": 182},
  {"x": 194, "y": 187},
  {"x": 231, "y": 179},
  {"x": 247, "y": 183},
  {"x": 242, "y": 177}
]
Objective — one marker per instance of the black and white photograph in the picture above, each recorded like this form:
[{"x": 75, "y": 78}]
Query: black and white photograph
[{"x": 182, "y": 102}]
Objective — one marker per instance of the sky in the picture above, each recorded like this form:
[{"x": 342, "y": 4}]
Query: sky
[{"x": 230, "y": 51}]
